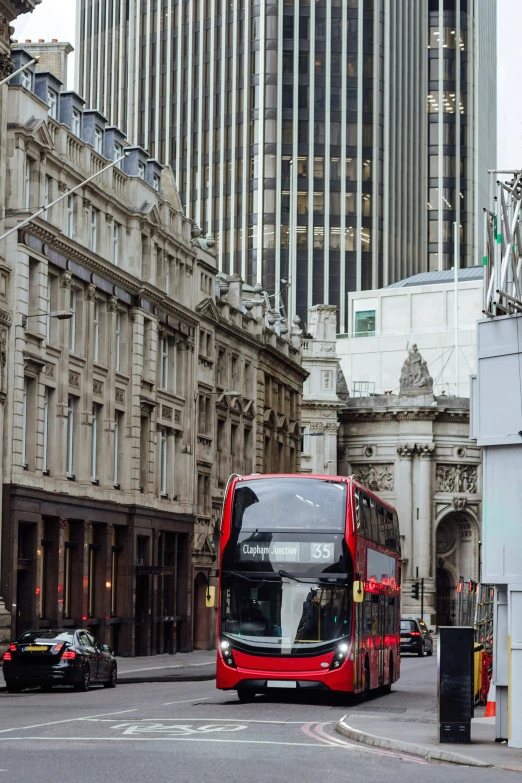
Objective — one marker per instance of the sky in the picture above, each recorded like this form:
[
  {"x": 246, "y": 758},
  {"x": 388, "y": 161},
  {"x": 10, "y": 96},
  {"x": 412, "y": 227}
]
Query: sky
[{"x": 51, "y": 19}]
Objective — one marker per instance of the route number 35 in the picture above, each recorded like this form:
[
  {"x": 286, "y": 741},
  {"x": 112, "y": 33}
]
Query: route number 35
[{"x": 322, "y": 551}]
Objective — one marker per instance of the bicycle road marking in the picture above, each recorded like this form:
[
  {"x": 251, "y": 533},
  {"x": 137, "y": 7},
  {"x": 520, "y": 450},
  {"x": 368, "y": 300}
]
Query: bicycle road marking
[{"x": 179, "y": 729}]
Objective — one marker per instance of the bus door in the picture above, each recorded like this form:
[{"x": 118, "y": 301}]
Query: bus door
[{"x": 381, "y": 637}]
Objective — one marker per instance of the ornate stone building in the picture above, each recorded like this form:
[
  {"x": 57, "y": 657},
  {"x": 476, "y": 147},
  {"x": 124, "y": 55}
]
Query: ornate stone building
[
  {"x": 9, "y": 11},
  {"x": 413, "y": 448},
  {"x": 324, "y": 393},
  {"x": 125, "y": 418}
]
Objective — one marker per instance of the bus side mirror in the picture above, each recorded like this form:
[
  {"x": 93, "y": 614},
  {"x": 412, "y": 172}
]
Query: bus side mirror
[
  {"x": 358, "y": 592},
  {"x": 210, "y": 597}
]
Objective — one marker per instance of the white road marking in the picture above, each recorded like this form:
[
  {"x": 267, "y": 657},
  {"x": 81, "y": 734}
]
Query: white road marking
[
  {"x": 67, "y": 720},
  {"x": 153, "y": 668},
  {"x": 180, "y": 730},
  {"x": 185, "y": 701},
  {"x": 200, "y": 664},
  {"x": 220, "y": 720}
]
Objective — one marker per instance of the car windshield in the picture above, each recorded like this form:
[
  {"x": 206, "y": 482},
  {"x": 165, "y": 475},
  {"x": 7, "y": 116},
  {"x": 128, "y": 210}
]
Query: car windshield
[
  {"x": 289, "y": 504},
  {"x": 33, "y": 636},
  {"x": 408, "y": 625},
  {"x": 285, "y": 615}
]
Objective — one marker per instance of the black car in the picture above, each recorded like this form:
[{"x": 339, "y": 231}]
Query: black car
[
  {"x": 66, "y": 657},
  {"x": 416, "y": 637}
]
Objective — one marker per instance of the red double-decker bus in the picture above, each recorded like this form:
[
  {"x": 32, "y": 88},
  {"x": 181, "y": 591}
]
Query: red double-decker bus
[{"x": 309, "y": 586}]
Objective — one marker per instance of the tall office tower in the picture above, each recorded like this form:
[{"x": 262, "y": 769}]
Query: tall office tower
[
  {"x": 461, "y": 126},
  {"x": 296, "y": 129}
]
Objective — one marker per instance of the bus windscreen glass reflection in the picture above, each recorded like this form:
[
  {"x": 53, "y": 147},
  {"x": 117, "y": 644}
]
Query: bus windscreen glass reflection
[
  {"x": 284, "y": 616},
  {"x": 290, "y": 504}
]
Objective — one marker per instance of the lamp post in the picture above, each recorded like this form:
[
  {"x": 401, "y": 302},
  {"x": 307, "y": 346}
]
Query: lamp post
[
  {"x": 23, "y": 68},
  {"x": 61, "y": 315}
]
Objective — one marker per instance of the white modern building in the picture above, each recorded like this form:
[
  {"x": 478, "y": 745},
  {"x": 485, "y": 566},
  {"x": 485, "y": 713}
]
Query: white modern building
[{"x": 417, "y": 311}]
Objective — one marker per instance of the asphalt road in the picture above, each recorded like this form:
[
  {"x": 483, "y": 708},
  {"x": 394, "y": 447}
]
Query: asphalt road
[{"x": 190, "y": 732}]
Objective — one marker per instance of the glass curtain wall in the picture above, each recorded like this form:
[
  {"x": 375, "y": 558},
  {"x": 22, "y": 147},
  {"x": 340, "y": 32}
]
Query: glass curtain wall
[{"x": 449, "y": 73}]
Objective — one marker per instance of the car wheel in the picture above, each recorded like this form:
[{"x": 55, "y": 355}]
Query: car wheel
[
  {"x": 85, "y": 683},
  {"x": 421, "y": 652},
  {"x": 13, "y": 687},
  {"x": 245, "y": 695},
  {"x": 112, "y": 679},
  {"x": 431, "y": 649}
]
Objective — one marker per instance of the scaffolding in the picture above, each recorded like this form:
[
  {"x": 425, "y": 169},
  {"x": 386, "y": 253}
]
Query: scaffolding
[{"x": 503, "y": 246}]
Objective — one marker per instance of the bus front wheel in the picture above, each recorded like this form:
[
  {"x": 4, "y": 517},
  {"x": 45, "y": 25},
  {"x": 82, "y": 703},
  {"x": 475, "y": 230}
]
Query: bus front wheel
[{"x": 245, "y": 695}]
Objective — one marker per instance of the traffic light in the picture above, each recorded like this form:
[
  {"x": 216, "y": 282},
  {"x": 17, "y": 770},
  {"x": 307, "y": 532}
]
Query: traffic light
[{"x": 415, "y": 590}]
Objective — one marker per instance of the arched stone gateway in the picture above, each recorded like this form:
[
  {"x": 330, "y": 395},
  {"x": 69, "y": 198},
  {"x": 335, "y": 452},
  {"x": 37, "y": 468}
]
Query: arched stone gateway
[{"x": 457, "y": 555}]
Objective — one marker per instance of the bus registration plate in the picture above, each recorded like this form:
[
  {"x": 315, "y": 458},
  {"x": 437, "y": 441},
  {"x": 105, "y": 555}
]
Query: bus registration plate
[{"x": 281, "y": 683}]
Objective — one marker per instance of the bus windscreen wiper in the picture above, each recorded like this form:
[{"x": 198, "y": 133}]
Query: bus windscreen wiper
[
  {"x": 246, "y": 578},
  {"x": 295, "y": 578}
]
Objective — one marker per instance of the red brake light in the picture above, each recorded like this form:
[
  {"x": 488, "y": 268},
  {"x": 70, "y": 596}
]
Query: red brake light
[
  {"x": 69, "y": 654},
  {"x": 12, "y": 647},
  {"x": 415, "y": 633},
  {"x": 8, "y": 656}
]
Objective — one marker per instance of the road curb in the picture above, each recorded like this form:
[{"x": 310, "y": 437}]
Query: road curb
[
  {"x": 156, "y": 678},
  {"x": 407, "y": 747}
]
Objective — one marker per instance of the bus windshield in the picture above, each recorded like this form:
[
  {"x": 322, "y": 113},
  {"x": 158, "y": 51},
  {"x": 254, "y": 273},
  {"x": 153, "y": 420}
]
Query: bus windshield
[
  {"x": 284, "y": 616},
  {"x": 289, "y": 504}
]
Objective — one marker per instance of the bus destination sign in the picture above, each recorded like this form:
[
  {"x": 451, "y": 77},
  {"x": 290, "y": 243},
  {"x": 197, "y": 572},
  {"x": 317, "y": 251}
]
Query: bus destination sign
[{"x": 287, "y": 552}]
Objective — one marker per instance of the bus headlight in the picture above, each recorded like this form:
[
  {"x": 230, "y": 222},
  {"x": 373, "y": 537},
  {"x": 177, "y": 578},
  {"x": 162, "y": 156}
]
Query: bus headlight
[
  {"x": 340, "y": 655},
  {"x": 225, "y": 645}
]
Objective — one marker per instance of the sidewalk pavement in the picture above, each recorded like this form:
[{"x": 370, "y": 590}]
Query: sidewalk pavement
[
  {"x": 181, "y": 667},
  {"x": 418, "y": 737}
]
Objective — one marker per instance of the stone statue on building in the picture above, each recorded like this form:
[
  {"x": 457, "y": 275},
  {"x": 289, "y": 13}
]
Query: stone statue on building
[
  {"x": 415, "y": 376},
  {"x": 342, "y": 386}
]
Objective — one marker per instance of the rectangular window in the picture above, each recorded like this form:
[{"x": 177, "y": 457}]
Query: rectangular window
[
  {"x": 163, "y": 463},
  {"x": 48, "y": 317},
  {"x": 94, "y": 443},
  {"x": 364, "y": 323},
  {"x": 69, "y": 457},
  {"x": 116, "y": 244},
  {"x": 52, "y": 102},
  {"x": 117, "y": 434},
  {"x": 26, "y": 79},
  {"x": 94, "y": 230},
  {"x": 164, "y": 363},
  {"x": 117, "y": 153},
  {"x": 27, "y": 183},
  {"x": 46, "y": 431},
  {"x": 98, "y": 140},
  {"x": 141, "y": 170},
  {"x": 96, "y": 330},
  {"x": 118, "y": 341},
  {"x": 70, "y": 216},
  {"x": 76, "y": 122},
  {"x": 72, "y": 321},
  {"x": 156, "y": 183},
  {"x": 24, "y": 423}
]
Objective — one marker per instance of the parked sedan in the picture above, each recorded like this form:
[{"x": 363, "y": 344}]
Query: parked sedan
[
  {"x": 66, "y": 657},
  {"x": 416, "y": 637}
]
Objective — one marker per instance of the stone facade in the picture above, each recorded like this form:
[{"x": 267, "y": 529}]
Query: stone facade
[
  {"x": 321, "y": 394},
  {"x": 9, "y": 11},
  {"x": 126, "y": 419},
  {"x": 414, "y": 450}
]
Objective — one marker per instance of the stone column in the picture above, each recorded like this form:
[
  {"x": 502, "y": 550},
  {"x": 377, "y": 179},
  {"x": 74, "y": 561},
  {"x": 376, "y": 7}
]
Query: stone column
[
  {"x": 423, "y": 524},
  {"x": 405, "y": 506},
  {"x": 84, "y": 457}
]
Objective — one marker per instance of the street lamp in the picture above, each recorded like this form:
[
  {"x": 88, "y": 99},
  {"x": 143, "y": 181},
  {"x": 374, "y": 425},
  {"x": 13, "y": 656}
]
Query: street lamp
[
  {"x": 61, "y": 315},
  {"x": 23, "y": 68}
]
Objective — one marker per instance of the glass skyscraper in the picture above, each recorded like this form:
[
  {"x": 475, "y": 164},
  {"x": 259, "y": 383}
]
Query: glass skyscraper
[{"x": 297, "y": 129}]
